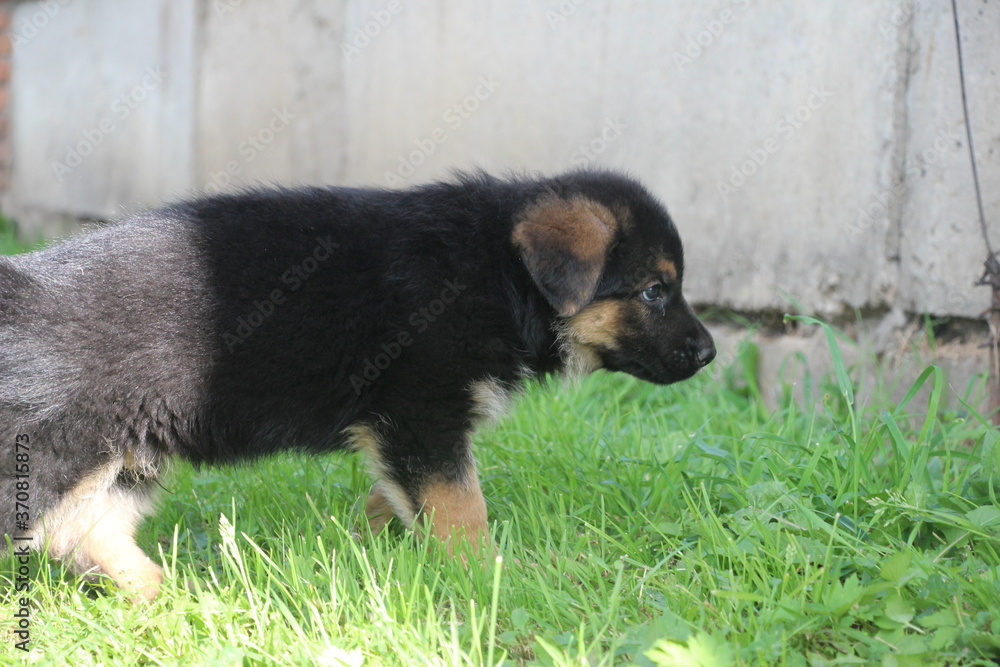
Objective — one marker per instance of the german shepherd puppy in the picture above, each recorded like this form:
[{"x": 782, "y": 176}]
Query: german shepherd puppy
[{"x": 388, "y": 322}]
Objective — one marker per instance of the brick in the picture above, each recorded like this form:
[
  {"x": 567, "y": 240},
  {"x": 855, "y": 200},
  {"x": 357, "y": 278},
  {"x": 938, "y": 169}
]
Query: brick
[
  {"x": 4, "y": 44},
  {"x": 4, "y": 70},
  {"x": 4, "y": 18}
]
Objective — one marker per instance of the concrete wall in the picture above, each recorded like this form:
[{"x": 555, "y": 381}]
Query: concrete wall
[
  {"x": 271, "y": 100},
  {"x": 101, "y": 98},
  {"x": 5, "y": 49},
  {"x": 812, "y": 152}
]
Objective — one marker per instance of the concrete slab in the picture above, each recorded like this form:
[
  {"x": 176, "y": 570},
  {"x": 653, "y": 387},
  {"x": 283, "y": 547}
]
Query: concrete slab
[
  {"x": 102, "y": 98},
  {"x": 942, "y": 250},
  {"x": 270, "y": 94}
]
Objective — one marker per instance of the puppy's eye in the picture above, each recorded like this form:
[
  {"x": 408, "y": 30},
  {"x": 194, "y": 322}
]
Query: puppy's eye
[{"x": 652, "y": 293}]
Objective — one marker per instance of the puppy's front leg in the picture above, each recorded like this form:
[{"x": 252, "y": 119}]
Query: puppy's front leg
[
  {"x": 418, "y": 483},
  {"x": 456, "y": 508},
  {"x": 378, "y": 509}
]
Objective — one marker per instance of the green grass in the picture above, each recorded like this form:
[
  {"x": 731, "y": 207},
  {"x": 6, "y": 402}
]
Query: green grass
[
  {"x": 686, "y": 525},
  {"x": 10, "y": 243}
]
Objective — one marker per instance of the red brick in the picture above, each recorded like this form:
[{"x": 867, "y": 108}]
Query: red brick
[
  {"x": 4, "y": 44},
  {"x": 4, "y": 17}
]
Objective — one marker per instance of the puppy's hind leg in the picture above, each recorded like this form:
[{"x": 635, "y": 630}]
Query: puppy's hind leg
[
  {"x": 110, "y": 544},
  {"x": 93, "y": 527}
]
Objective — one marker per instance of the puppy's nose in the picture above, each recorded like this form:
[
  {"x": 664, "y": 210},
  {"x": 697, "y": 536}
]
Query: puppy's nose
[{"x": 706, "y": 351}]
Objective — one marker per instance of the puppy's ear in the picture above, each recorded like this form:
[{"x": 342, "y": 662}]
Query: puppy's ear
[{"x": 564, "y": 245}]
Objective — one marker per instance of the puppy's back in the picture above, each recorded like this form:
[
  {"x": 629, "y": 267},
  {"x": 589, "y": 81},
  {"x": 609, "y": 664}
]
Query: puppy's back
[{"x": 100, "y": 352}]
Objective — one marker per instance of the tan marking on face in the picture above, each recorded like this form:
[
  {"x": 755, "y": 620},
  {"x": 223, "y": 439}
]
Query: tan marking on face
[
  {"x": 580, "y": 336},
  {"x": 93, "y": 528},
  {"x": 665, "y": 266},
  {"x": 599, "y": 324}
]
